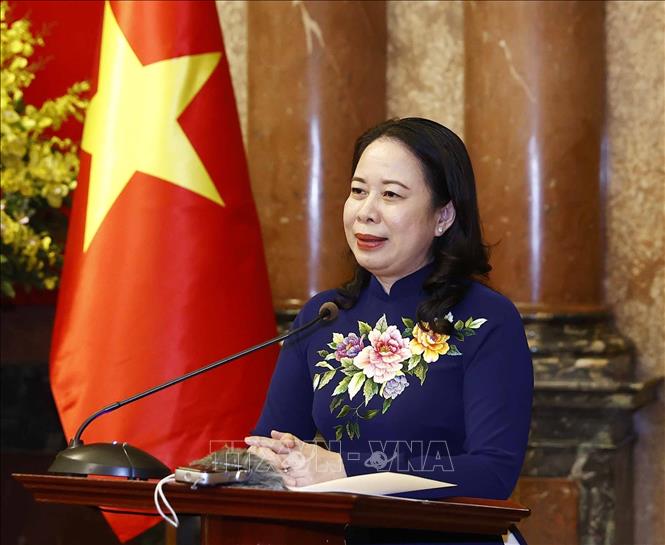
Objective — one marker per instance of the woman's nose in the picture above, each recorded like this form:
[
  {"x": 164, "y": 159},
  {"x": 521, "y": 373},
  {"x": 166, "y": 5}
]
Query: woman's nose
[{"x": 368, "y": 211}]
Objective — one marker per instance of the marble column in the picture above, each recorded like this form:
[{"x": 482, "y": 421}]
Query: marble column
[
  {"x": 317, "y": 80},
  {"x": 535, "y": 79},
  {"x": 534, "y": 124}
]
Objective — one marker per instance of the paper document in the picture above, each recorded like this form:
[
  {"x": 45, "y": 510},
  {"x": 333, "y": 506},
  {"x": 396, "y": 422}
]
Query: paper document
[{"x": 375, "y": 484}]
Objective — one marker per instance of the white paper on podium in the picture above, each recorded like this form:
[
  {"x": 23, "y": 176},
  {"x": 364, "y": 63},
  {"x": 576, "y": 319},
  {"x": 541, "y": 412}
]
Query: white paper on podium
[{"x": 375, "y": 484}]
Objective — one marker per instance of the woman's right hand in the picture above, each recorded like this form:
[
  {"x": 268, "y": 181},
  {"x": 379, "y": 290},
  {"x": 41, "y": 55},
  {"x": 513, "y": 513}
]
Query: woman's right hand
[
  {"x": 266, "y": 454},
  {"x": 274, "y": 454}
]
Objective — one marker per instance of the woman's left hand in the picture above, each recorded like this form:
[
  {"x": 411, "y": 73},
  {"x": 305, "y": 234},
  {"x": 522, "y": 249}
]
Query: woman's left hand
[{"x": 302, "y": 463}]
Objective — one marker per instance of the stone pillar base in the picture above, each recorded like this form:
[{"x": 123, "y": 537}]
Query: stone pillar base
[{"x": 577, "y": 476}]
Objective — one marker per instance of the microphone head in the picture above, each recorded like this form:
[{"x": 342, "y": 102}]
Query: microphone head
[{"x": 328, "y": 311}]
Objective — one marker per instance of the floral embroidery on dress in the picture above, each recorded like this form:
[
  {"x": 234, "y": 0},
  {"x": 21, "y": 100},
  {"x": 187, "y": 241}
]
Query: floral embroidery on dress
[{"x": 378, "y": 361}]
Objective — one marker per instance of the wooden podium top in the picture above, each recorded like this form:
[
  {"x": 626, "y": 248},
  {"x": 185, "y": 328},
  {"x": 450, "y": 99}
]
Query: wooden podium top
[{"x": 459, "y": 515}]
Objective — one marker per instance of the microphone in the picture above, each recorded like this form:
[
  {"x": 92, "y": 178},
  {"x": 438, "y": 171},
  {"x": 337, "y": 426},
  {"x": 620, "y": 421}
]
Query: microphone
[
  {"x": 328, "y": 311},
  {"x": 124, "y": 460}
]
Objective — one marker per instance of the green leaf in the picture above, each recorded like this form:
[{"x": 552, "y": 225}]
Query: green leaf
[
  {"x": 338, "y": 338},
  {"x": 324, "y": 364},
  {"x": 477, "y": 323},
  {"x": 408, "y": 323},
  {"x": 347, "y": 362},
  {"x": 323, "y": 353},
  {"x": 413, "y": 361},
  {"x": 356, "y": 429},
  {"x": 316, "y": 380},
  {"x": 364, "y": 328},
  {"x": 343, "y": 386},
  {"x": 453, "y": 351},
  {"x": 407, "y": 333},
  {"x": 468, "y": 332},
  {"x": 327, "y": 377},
  {"x": 382, "y": 324},
  {"x": 421, "y": 371},
  {"x": 349, "y": 371},
  {"x": 331, "y": 356},
  {"x": 8, "y": 289},
  {"x": 459, "y": 324},
  {"x": 459, "y": 336},
  {"x": 344, "y": 411},
  {"x": 468, "y": 322},
  {"x": 372, "y": 413},
  {"x": 356, "y": 383},
  {"x": 370, "y": 389},
  {"x": 386, "y": 405},
  {"x": 336, "y": 402},
  {"x": 349, "y": 430},
  {"x": 339, "y": 431},
  {"x": 332, "y": 346}
]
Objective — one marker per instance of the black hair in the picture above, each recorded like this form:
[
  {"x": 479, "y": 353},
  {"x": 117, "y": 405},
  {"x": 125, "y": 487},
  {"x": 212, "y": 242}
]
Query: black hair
[{"x": 460, "y": 254}]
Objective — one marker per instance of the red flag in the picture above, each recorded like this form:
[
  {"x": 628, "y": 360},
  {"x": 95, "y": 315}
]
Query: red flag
[{"x": 164, "y": 266}]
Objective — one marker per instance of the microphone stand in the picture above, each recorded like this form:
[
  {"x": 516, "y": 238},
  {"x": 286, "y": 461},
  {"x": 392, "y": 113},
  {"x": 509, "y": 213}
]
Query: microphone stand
[{"x": 124, "y": 460}]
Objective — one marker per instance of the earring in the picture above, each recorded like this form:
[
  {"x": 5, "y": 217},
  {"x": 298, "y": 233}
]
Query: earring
[{"x": 439, "y": 230}]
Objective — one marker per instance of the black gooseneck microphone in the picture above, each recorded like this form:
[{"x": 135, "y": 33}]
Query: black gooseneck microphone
[{"x": 124, "y": 460}]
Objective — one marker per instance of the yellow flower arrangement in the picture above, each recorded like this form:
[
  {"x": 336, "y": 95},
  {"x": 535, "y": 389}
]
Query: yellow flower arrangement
[{"x": 38, "y": 169}]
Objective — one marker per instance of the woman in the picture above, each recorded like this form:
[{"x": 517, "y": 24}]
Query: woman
[{"x": 425, "y": 370}]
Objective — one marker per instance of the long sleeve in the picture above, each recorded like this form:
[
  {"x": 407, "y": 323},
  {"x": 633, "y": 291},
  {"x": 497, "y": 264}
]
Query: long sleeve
[
  {"x": 288, "y": 405},
  {"x": 497, "y": 397}
]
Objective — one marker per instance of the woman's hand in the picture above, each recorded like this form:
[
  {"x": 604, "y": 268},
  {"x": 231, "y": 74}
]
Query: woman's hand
[{"x": 302, "y": 463}]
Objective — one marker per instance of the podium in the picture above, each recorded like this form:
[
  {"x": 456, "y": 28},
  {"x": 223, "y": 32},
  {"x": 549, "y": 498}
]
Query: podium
[{"x": 246, "y": 516}]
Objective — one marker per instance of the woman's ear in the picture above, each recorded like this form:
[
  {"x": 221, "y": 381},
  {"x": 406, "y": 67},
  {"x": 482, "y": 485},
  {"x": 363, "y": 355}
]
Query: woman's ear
[{"x": 445, "y": 219}]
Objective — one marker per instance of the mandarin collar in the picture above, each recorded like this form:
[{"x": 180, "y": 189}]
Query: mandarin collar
[{"x": 407, "y": 286}]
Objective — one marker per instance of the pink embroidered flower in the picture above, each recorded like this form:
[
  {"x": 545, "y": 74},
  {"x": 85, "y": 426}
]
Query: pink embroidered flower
[{"x": 383, "y": 359}]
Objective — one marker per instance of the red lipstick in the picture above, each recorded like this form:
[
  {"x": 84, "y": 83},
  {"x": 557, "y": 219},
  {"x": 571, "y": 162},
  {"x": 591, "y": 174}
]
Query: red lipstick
[{"x": 369, "y": 242}]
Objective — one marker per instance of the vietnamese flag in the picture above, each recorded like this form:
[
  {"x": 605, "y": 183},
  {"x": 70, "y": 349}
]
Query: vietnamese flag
[{"x": 164, "y": 267}]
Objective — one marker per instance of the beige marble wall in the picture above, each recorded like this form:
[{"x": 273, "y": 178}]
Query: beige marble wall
[
  {"x": 636, "y": 174},
  {"x": 233, "y": 18},
  {"x": 635, "y": 277},
  {"x": 425, "y": 70}
]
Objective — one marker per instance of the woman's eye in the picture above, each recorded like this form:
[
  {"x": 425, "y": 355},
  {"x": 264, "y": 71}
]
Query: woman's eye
[
  {"x": 390, "y": 194},
  {"x": 357, "y": 191}
]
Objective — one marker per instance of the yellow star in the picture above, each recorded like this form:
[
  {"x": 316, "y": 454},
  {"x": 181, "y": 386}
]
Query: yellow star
[{"x": 132, "y": 123}]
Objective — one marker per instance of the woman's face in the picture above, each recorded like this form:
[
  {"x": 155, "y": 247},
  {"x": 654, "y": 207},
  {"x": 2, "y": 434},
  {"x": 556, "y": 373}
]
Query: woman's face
[{"x": 389, "y": 219}]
